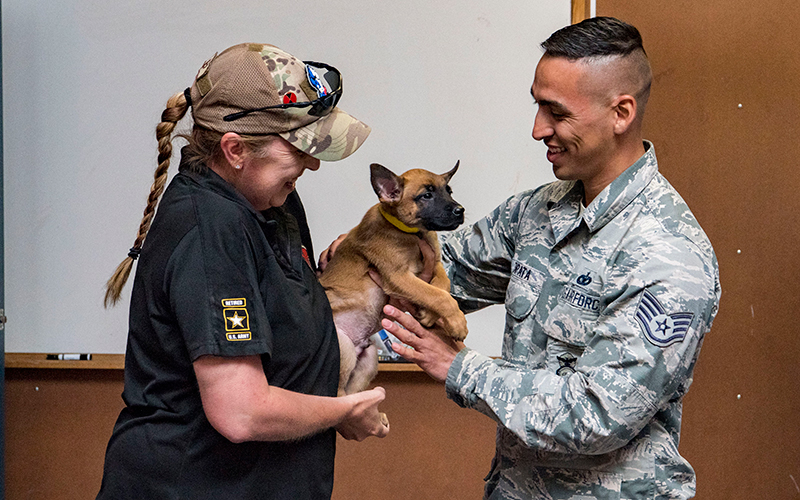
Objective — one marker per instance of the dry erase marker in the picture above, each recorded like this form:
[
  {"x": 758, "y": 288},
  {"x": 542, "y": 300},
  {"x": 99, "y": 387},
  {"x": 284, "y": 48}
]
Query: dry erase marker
[{"x": 70, "y": 357}]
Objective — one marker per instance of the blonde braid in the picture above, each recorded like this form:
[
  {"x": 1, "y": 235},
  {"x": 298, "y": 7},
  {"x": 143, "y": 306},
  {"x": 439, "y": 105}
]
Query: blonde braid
[{"x": 175, "y": 110}]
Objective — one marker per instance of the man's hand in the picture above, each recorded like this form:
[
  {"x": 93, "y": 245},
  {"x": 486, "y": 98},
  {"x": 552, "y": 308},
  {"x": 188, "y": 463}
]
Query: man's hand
[{"x": 434, "y": 354}]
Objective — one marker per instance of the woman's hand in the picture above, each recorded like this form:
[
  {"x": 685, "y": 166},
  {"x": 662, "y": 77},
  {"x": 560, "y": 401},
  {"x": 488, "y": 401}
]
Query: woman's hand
[
  {"x": 364, "y": 419},
  {"x": 327, "y": 254}
]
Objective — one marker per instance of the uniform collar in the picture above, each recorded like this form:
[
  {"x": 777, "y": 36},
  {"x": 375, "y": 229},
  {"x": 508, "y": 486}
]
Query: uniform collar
[
  {"x": 566, "y": 211},
  {"x": 207, "y": 178},
  {"x": 280, "y": 228}
]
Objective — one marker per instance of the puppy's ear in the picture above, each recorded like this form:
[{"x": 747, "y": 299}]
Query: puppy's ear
[
  {"x": 387, "y": 185},
  {"x": 450, "y": 174}
]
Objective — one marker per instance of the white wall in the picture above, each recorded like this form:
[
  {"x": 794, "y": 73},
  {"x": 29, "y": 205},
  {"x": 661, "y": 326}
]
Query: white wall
[{"x": 85, "y": 81}]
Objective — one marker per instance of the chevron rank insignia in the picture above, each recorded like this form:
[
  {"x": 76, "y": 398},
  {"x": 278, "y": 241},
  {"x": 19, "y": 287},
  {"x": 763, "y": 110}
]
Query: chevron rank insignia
[{"x": 660, "y": 328}]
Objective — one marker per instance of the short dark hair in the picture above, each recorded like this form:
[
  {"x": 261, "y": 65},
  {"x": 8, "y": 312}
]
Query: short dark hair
[{"x": 594, "y": 37}]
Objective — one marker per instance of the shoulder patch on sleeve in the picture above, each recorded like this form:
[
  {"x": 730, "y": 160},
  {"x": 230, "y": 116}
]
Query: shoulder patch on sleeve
[
  {"x": 237, "y": 322},
  {"x": 660, "y": 328}
]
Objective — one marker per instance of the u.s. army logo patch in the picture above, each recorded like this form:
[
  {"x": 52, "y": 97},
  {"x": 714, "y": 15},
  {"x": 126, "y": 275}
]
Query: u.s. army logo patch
[
  {"x": 237, "y": 322},
  {"x": 660, "y": 328}
]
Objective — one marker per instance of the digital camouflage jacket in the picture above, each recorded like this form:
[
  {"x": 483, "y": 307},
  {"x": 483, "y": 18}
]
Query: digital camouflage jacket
[{"x": 606, "y": 309}]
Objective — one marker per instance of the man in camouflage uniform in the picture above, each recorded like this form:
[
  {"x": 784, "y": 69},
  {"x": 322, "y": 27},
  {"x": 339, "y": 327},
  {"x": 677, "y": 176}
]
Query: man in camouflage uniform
[{"x": 609, "y": 285}]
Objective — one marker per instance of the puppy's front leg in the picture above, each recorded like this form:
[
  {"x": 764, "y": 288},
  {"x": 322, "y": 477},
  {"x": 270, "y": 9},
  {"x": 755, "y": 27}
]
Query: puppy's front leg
[
  {"x": 435, "y": 300},
  {"x": 427, "y": 317},
  {"x": 440, "y": 279}
]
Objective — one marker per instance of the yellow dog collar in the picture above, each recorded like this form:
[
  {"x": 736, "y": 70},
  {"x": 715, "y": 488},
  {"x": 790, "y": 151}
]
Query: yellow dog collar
[{"x": 396, "y": 222}]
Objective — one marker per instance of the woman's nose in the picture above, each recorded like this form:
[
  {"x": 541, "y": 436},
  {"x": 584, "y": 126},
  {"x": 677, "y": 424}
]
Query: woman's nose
[{"x": 312, "y": 163}]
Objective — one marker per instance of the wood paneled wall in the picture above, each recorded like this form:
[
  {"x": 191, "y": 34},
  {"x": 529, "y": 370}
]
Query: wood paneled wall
[
  {"x": 59, "y": 422},
  {"x": 724, "y": 116}
]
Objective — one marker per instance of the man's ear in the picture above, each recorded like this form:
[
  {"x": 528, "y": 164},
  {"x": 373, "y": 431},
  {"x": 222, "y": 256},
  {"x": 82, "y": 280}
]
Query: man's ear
[
  {"x": 233, "y": 148},
  {"x": 624, "y": 108},
  {"x": 387, "y": 185}
]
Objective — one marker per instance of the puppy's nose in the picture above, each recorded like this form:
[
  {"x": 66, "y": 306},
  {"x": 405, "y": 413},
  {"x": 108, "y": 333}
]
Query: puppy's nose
[{"x": 459, "y": 211}]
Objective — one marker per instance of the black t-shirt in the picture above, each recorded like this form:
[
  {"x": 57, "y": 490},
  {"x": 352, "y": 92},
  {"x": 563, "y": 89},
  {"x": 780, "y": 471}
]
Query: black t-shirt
[{"x": 216, "y": 277}]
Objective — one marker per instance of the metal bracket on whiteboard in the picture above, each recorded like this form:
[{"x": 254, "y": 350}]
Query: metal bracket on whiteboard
[{"x": 3, "y": 319}]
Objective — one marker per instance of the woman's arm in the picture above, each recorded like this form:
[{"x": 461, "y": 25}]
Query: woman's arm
[{"x": 242, "y": 406}]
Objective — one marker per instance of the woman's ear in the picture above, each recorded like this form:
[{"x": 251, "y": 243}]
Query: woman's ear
[{"x": 233, "y": 149}]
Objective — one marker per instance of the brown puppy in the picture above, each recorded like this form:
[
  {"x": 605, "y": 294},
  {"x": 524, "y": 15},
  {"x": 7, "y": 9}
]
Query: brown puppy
[{"x": 412, "y": 206}]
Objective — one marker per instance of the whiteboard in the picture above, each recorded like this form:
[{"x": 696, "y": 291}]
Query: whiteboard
[{"x": 85, "y": 82}]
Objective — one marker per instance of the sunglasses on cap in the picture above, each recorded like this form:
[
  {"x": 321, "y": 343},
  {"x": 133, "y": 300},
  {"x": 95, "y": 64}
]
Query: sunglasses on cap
[{"x": 328, "y": 89}]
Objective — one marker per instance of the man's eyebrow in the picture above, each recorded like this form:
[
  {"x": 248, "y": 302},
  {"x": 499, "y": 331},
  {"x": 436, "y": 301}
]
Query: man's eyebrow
[
  {"x": 544, "y": 102},
  {"x": 551, "y": 104}
]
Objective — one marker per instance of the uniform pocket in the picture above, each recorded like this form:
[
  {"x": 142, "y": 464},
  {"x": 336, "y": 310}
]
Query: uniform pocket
[
  {"x": 523, "y": 290},
  {"x": 572, "y": 484},
  {"x": 520, "y": 299},
  {"x": 567, "y": 325},
  {"x": 574, "y": 308},
  {"x": 560, "y": 484}
]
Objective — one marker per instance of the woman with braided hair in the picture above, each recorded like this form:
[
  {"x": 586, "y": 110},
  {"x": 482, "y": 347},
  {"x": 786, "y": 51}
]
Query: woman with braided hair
[{"x": 232, "y": 362}]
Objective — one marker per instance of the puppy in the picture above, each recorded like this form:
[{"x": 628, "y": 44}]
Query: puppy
[{"x": 412, "y": 206}]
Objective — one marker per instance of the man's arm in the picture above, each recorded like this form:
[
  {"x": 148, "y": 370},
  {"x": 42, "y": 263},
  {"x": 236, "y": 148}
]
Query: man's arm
[{"x": 620, "y": 381}]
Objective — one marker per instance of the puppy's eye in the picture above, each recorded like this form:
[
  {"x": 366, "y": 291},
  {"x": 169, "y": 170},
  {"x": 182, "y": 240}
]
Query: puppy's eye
[{"x": 427, "y": 196}]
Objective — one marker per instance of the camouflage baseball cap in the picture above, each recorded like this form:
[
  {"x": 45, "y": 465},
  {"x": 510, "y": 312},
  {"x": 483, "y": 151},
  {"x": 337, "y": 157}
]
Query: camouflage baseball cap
[{"x": 259, "y": 89}]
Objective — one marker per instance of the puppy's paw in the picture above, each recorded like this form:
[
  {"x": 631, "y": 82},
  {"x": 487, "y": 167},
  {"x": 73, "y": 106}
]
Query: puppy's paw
[
  {"x": 456, "y": 326},
  {"x": 426, "y": 317}
]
